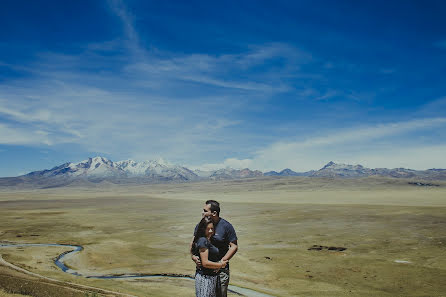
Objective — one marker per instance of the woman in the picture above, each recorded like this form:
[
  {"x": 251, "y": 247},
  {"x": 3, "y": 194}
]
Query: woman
[{"x": 206, "y": 276}]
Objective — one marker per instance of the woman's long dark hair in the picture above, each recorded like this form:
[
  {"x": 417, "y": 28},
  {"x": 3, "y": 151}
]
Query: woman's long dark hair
[{"x": 201, "y": 232}]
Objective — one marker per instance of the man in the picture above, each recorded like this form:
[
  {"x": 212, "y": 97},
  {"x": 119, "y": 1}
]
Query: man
[{"x": 224, "y": 239}]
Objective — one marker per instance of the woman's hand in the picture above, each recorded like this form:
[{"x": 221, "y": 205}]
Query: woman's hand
[{"x": 197, "y": 261}]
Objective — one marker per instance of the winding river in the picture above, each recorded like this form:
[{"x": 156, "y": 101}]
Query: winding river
[{"x": 59, "y": 261}]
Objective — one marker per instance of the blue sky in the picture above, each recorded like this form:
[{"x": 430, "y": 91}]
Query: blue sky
[{"x": 264, "y": 85}]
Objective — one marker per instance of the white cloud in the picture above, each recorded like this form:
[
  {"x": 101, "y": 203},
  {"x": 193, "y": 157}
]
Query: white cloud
[
  {"x": 419, "y": 157},
  {"x": 128, "y": 124},
  {"x": 373, "y": 146},
  {"x": 141, "y": 108},
  {"x": 135, "y": 122},
  {"x": 145, "y": 104},
  {"x": 437, "y": 106},
  {"x": 32, "y": 116},
  {"x": 206, "y": 69},
  {"x": 352, "y": 135},
  {"x": 227, "y": 71},
  {"x": 132, "y": 38},
  {"x": 230, "y": 162},
  {"x": 19, "y": 136}
]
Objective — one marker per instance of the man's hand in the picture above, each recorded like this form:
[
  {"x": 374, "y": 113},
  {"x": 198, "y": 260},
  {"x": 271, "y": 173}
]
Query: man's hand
[
  {"x": 224, "y": 262},
  {"x": 197, "y": 260}
]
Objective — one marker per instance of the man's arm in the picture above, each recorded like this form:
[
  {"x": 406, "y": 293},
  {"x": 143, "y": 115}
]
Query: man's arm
[
  {"x": 233, "y": 247},
  {"x": 194, "y": 258}
]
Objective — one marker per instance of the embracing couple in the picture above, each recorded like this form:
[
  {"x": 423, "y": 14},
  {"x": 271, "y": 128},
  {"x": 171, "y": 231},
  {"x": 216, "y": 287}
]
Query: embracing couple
[{"x": 213, "y": 245}]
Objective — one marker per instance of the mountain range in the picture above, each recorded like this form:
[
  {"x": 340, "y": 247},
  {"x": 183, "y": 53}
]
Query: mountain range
[{"x": 100, "y": 169}]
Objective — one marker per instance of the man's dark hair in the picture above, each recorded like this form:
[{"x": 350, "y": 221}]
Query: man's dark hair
[{"x": 215, "y": 206}]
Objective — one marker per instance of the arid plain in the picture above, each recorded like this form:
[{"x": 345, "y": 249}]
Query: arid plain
[{"x": 394, "y": 235}]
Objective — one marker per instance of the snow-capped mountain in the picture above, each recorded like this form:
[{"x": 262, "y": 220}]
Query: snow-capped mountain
[
  {"x": 98, "y": 166},
  {"x": 100, "y": 169},
  {"x": 158, "y": 168},
  {"x": 103, "y": 168}
]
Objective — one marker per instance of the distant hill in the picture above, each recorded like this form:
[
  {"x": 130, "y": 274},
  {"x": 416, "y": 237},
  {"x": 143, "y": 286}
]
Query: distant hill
[
  {"x": 99, "y": 170},
  {"x": 344, "y": 170},
  {"x": 288, "y": 172},
  {"x": 229, "y": 173}
]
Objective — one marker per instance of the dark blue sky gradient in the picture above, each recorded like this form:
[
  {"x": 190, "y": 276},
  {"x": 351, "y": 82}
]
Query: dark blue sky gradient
[{"x": 263, "y": 75}]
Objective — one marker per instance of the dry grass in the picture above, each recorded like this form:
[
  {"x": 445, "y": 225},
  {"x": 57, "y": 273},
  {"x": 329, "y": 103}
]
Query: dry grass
[
  {"x": 4, "y": 294},
  {"x": 146, "y": 229}
]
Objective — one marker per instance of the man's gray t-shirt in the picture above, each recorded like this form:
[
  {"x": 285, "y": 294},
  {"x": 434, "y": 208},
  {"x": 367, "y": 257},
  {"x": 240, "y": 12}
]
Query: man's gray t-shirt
[{"x": 224, "y": 234}]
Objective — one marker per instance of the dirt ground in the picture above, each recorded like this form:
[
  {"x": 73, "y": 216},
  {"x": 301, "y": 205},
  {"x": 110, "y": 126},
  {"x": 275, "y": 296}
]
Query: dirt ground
[
  {"x": 297, "y": 236},
  {"x": 14, "y": 284}
]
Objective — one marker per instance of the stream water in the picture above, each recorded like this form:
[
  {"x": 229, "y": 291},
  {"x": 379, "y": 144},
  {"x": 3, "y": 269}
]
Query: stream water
[{"x": 59, "y": 261}]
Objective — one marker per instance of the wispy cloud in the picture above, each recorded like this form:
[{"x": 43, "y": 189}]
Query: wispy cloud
[
  {"x": 127, "y": 99},
  {"x": 21, "y": 136},
  {"x": 33, "y": 116},
  {"x": 120, "y": 10},
  {"x": 374, "y": 146},
  {"x": 132, "y": 39},
  {"x": 367, "y": 133},
  {"x": 125, "y": 123},
  {"x": 228, "y": 71},
  {"x": 143, "y": 103},
  {"x": 435, "y": 107},
  {"x": 419, "y": 156}
]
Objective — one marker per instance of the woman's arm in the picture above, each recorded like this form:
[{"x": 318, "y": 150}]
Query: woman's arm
[{"x": 204, "y": 255}]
